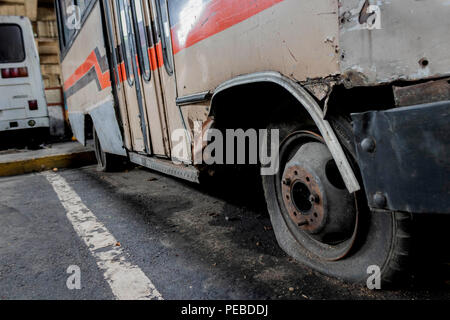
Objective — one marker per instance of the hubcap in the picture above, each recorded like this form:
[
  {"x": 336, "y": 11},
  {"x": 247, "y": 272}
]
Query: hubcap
[
  {"x": 315, "y": 197},
  {"x": 303, "y": 199}
]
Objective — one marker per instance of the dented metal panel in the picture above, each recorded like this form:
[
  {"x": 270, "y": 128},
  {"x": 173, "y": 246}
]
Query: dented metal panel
[
  {"x": 105, "y": 122},
  {"x": 382, "y": 41}
]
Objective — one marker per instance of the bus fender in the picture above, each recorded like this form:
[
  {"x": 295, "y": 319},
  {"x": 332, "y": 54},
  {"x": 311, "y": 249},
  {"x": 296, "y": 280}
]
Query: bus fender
[
  {"x": 311, "y": 106},
  {"x": 104, "y": 118}
]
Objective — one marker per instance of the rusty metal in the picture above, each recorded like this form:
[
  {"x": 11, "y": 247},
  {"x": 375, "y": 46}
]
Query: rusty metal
[
  {"x": 200, "y": 138},
  {"x": 340, "y": 207},
  {"x": 353, "y": 78},
  {"x": 314, "y": 195},
  {"x": 311, "y": 217},
  {"x": 432, "y": 91}
]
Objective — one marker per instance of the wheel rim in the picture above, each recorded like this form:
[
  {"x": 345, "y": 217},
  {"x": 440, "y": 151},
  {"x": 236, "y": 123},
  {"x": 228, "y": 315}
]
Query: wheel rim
[{"x": 318, "y": 210}]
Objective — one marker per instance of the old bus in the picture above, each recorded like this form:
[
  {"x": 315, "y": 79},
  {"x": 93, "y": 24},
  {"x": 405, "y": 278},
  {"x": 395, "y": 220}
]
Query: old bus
[
  {"x": 356, "y": 92},
  {"x": 23, "y": 108}
]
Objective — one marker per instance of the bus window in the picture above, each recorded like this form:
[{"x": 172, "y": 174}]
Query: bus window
[
  {"x": 82, "y": 5},
  {"x": 68, "y": 8},
  {"x": 164, "y": 27},
  {"x": 12, "y": 49},
  {"x": 143, "y": 40},
  {"x": 124, "y": 27}
]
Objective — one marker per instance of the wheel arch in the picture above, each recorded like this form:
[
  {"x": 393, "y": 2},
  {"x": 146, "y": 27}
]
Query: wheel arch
[
  {"x": 308, "y": 106},
  {"x": 103, "y": 117}
]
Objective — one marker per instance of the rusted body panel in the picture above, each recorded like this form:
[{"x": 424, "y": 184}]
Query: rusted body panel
[
  {"x": 396, "y": 40},
  {"x": 431, "y": 91}
]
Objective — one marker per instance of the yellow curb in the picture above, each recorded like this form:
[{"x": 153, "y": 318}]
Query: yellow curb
[{"x": 72, "y": 160}]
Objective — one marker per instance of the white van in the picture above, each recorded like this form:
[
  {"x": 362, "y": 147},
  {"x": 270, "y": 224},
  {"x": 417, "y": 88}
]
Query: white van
[{"x": 22, "y": 96}]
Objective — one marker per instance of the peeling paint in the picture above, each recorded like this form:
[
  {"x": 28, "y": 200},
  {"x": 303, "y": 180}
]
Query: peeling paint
[
  {"x": 400, "y": 48},
  {"x": 321, "y": 87}
]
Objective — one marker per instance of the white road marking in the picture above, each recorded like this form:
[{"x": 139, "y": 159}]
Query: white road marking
[{"x": 127, "y": 281}]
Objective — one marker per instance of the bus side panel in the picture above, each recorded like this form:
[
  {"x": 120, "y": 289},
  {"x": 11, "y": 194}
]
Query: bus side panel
[
  {"x": 397, "y": 40},
  {"x": 218, "y": 40},
  {"x": 87, "y": 84}
]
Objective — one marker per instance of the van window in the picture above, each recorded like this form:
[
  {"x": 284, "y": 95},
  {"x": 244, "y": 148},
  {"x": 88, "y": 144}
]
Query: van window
[{"x": 12, "y": 49}]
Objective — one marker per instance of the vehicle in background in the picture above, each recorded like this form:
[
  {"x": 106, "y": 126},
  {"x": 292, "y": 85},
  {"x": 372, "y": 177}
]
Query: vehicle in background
[
  {"x": 23, "y": 107},
  {"x": 359, "y": 90}
]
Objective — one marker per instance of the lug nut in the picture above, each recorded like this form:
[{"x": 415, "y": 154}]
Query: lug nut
[
  {"x": 314, "y": 198},
  {"x": 379, "y": 200},
  {"x": 368, "y": 145}
]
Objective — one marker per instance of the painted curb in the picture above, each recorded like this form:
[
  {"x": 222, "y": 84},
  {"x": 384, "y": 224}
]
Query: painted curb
[{"x": 60, "y": 161}]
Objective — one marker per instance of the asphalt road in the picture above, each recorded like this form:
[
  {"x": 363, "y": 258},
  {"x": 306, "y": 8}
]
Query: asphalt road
[{"x": 191, "y": 242}]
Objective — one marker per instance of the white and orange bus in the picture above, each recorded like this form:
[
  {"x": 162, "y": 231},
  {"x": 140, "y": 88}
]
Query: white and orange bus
[{"x": 355, "y": 92}]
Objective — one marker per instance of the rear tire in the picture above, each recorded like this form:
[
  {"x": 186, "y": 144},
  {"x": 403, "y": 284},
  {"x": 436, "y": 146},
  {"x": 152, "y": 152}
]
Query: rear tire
[
  {"x": 379, "y": 239},
  {"x": 107, "y": 162}
]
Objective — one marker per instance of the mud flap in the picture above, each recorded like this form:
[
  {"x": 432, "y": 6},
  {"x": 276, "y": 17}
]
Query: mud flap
[{"x": 404, "y": 157}]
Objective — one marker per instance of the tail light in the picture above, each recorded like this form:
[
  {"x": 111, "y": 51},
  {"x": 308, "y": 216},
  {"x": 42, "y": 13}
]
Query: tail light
[
  {"x": 14, "y": 72},
  {"x": 33, "y": 105},
  {"x": 6, "y": 74},
  {"x": 10, "y": 73},
  {"x": 23, "y": 72}
]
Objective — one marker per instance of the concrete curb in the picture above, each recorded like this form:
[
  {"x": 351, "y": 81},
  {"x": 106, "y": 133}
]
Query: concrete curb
[{"x": 68, "y": 160}]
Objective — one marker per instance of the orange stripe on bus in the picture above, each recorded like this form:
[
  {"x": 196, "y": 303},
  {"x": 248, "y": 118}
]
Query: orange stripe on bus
[
  {"x": 217, "y": 16},
  {"x": 159, "y": 55},
  {"x": 91, "y": 61},
  {"x": 122, "y": 72},
  {"x": 156, "y": 60}
]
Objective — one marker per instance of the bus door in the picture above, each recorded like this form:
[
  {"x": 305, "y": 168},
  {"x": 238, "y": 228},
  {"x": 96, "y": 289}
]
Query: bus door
[
  {"x": 149, "y": 63},
  {"x": 149, "y": 82},
  {"x": 166, "y": 71},
  {"x": 132, "y": 85}
]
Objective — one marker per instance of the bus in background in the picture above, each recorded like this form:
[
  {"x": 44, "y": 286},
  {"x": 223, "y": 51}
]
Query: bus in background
[
  {"x": 361, "y": 101},
  {"x": 23, "y": 107}
]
